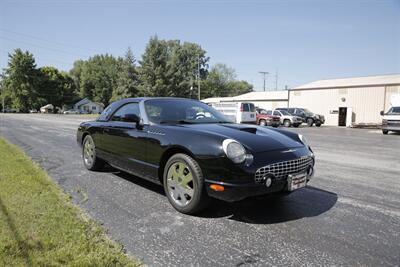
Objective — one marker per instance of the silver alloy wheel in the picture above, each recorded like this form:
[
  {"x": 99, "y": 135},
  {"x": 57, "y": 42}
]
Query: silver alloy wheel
[
  {"x": 180, "y": 183},
  {"x": 262, "y": 123},
  {"x": 88, "y": 152}
]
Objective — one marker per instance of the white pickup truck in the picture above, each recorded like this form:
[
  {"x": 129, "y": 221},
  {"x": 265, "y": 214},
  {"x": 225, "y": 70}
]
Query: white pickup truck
[{"x": 391, "y": 119}]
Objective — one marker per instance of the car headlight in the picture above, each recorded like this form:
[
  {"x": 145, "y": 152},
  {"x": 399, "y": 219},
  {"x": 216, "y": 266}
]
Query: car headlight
[
  {"x": 234, "y": 150},
  {"x": 303, "y": 140}
]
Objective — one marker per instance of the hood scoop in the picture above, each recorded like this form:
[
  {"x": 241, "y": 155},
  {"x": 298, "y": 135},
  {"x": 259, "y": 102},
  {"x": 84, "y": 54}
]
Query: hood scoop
[
  {"x": 252, "y": 130},
  {"x": 249, "y": 130}
]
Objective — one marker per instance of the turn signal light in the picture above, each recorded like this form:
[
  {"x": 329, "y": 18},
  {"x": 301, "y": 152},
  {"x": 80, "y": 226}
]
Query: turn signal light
[{"x": 217, "y": 187}]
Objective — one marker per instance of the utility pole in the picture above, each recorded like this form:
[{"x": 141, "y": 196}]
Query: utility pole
[
  {"x": 264, "y": 73},
  {"x": 276, "y": 79},
  {"x": 198, "y": 76}
]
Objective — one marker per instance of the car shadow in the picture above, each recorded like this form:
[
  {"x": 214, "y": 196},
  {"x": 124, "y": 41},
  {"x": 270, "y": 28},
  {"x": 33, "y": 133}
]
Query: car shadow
[
  {"x": 272, "y": 209},
  {"x": 269, "y": 209}
]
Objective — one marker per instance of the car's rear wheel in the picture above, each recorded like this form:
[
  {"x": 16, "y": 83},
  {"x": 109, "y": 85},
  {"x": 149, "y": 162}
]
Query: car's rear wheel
[
  {"x": 385, "y": 131},
  {"x": 318, "y": 124},
  {"x": 262, "y": 123},
  {"x": 90, "y": 160},
  {"x": 310, "y": 122},
  {"x": 286, "y": 123},
  {"x": 184, "y": 184}
]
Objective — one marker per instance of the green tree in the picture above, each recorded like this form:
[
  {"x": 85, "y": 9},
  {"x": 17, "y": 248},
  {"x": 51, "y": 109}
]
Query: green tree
[
  {"x": 97, "y": 77},
  {"x": 127, "y": 83},
  {"x": 21, "y": 80},
  {"x": 56, "y": 87},
  {"x": 169, "y": 68},
  {"x": 221, "y": 81}
]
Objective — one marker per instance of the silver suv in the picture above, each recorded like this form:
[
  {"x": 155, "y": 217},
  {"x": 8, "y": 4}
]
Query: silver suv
[{"x": 286, "y": 118}]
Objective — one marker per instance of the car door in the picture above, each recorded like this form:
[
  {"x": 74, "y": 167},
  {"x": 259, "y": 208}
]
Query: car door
[
  {"x": 277, "y": 113},
  {"x": 124, "y": 142}
]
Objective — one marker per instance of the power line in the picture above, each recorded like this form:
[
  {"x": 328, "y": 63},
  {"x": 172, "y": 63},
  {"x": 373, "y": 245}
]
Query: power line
[
  {"x": 43, "y": 58},
  {"x": 43, "y": 47},
  {"x": 48, "y": 41}
]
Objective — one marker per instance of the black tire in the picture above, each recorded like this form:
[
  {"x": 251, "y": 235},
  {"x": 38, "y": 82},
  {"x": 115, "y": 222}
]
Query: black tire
[
  {"x": 385, "y": 131},
  {"x": 318, "y": 124},
  {"x": 200, "y": 199},
  {"x": 310, "y": 122},
  {"x": 95, "y": 164},
  {"x": 286, "y": 123},
  {"x": 262, "y": 123}
]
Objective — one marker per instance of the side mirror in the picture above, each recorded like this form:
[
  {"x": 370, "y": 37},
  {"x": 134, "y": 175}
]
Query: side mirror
[
  {"x": 382, "y": 113},
  {"x": 131, "y": 118}
]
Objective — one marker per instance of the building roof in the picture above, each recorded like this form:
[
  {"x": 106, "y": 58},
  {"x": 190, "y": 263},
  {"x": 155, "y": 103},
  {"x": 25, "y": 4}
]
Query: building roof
[
  {"x": 353, "y": 82},
  {"x": 252, "y": 96}
]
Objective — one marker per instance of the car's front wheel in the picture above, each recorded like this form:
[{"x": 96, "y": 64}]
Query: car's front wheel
[
  {"x": 385, "y": 131},
  {"x": 262, "y": 123},
  {"x": 310, "y": 122},
  {"x": 184, "y": 184},
  {"x": 90, "y": 160},
  {"x": 286, "y": 123}
]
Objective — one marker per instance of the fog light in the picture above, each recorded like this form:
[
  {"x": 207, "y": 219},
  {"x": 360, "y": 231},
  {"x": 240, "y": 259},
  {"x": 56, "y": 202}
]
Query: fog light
[
  {"x": 268, "y": 182},
  {"x": 217, "y": 187}
]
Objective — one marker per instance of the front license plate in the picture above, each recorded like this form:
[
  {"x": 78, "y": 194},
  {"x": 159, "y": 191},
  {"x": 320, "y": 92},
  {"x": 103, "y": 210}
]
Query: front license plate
[{"x": 296, "y": 181}]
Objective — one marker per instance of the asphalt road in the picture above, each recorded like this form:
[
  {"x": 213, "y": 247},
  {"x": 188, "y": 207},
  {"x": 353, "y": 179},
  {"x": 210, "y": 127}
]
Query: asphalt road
[{"x": 348, "y": 215}]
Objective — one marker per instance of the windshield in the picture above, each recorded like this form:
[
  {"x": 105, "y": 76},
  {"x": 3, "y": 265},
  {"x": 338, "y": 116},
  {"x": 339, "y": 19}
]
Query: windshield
[
  {"x": 182, "y": 111},
  {"x": 394, "y": 111},
  {"x": 284, "y": 112},
  {"x": 262, "y": 111}
]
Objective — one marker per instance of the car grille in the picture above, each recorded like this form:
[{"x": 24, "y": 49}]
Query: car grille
[
  {"x": 282, "y": 169},
  {"x": 393, "y": 122}
]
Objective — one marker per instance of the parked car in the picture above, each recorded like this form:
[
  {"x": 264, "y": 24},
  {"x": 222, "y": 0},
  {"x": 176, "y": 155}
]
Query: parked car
[
  {"x": 264, "y": 119},
  {"x": 285, "y": 118},
  {"x": 71, "y": 111},
  {"x": 239, "y": 112},
  {"x": 391, "y": 120},
  {"x": 194, "y": 151},
  {"x": 33, "y": 111},
  {"x": 308, "y": 117},
  {"x": 11, "y": 110}
]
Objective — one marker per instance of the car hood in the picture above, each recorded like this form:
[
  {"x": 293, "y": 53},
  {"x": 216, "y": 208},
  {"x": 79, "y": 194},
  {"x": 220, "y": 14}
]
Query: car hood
[
  {"x": 254, "y": 138},
  {"x": 391, "y": 117}
]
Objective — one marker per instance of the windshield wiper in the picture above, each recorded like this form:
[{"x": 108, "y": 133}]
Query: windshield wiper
[{"x": 176, "y": 122}]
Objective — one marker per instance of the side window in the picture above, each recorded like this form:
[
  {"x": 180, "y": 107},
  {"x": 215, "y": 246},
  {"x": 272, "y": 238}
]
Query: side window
[
  {"x": 269, "y": 112},
  {"x": 277, "y": 113},
  {"x": 291, "y": 110},
  {"x": 245, "y": 107},
  {"x": 252, "y": 107},
  {"x": 131, "y": 108}
]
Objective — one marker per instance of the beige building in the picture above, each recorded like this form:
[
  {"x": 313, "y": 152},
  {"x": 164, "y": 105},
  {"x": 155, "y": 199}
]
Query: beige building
[
  {"x": 349, "y": 101},
  {"x": 267, "y": 100}
]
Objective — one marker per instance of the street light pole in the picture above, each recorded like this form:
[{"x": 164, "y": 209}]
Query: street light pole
[
  {"x": 264, "y": 73},
  {"x": 198, "y": 75}
]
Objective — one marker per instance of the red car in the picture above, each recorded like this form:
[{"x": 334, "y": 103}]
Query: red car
[{"x": 266, "y": 120}]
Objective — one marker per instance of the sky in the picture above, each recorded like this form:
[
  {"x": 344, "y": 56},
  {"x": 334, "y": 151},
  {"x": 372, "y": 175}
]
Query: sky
[{"x": 302, "y": 41}]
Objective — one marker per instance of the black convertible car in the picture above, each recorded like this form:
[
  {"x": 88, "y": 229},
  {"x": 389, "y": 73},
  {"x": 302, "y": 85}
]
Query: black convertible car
[{"x": 194, "y": 151}]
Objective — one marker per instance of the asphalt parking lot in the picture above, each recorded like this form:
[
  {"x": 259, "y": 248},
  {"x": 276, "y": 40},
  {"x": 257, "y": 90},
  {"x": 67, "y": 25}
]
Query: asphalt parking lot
[{"x": 348, "y": 215}]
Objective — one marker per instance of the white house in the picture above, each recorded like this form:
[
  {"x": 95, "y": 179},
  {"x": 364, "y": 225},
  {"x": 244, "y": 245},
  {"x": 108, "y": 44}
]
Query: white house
[{"x": 88, "y": 106}]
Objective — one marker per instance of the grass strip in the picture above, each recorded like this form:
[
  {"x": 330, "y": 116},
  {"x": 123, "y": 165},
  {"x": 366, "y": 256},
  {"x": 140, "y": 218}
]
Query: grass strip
[{"x": 40, "y": 226}]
